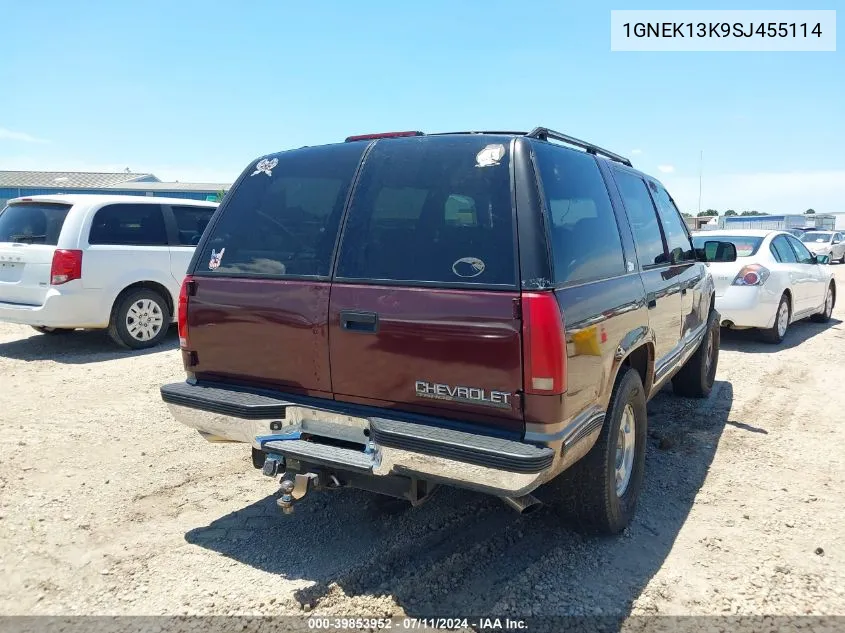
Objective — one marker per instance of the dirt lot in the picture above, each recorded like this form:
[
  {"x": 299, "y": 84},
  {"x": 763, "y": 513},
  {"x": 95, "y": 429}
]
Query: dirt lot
[{"x": 108, "y": 506}]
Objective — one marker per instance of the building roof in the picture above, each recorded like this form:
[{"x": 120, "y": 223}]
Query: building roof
[
  {"x": 210, "y": 187},
  {"x": 68, "y": 179}
]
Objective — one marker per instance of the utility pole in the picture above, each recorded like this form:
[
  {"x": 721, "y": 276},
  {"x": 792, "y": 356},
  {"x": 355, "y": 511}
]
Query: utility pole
[{"x": 700, "y": 171}]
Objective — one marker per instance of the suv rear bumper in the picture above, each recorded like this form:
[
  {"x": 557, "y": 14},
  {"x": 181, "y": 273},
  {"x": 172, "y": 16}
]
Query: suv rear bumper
[{"x": 372, "y": 446}]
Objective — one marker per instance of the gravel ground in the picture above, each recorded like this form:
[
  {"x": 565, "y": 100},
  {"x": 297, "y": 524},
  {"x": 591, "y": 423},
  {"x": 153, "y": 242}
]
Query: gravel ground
[{"x": 108, "y": 506}]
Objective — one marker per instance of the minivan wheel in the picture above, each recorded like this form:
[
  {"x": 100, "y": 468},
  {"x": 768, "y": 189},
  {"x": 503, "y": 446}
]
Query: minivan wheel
[
  {"x": 695, "y": 379},
  {"x": 600, "y": 491},
  {"x": 43, "y": 329},
  {"x": 140, "y": 319},
  {"x": 776, "y": 333}
]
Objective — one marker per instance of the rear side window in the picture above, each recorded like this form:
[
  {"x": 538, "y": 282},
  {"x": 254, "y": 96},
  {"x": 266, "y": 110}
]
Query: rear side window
[
  {"x": 582, "y": 226},
  {"x": 782, "y": 251},
  {"x": 642, "y": 217},
  {"x": 128, "y": 225},
  {"x": 674, "y": 227},
  {"x": 191, "y": 222},
  {"x": 33, "y": 223},
  {"x": 432, "y": 209},
  {"x": 282, "y": 219},
  {"x": 801, "y": 251}
]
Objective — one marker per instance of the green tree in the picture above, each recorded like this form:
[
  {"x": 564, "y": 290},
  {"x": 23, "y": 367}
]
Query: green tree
[
  {"x": 730, "y": 212},
  {"x": 709, "y": 212},
  {"x": 220, "y": 195},
  {"x": 809, "y": 211}
]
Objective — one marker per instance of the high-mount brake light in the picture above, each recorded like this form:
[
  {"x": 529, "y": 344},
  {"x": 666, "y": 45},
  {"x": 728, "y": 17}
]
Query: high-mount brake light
[
  {"x": 370, "y": 137},
  {"x": 543, "y": 344}
]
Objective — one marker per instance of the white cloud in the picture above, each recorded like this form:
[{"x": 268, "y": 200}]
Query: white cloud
[
  {"x": 666, "y": 169},
  {"x": 770, "y": 192},
  {"x": 9, "y": 135},
  {"x": 635, "y": 152}
]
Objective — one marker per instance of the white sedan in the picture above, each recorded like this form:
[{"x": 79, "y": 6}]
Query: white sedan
[
  {"x": 830, "y": 243},
  {"x": 774, "y": 281}
]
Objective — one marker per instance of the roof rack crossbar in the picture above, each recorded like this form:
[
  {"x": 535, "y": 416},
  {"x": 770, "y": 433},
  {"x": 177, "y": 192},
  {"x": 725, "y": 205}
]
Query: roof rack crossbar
[{"x": 544, "y": 134}]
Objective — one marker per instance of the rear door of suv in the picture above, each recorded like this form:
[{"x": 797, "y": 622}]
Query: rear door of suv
[
  {"x": 261, "y": 277},
  {"x": 424, "y": 302}
]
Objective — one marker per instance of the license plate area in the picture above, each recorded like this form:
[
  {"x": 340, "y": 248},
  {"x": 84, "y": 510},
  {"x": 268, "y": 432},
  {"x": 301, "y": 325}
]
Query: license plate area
[{"x": 320, "y": 423}]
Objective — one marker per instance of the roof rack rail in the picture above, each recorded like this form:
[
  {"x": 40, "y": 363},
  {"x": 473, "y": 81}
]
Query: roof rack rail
[
  {"x": 544, "y": 134},
  {"x": 503, "y": 132}
]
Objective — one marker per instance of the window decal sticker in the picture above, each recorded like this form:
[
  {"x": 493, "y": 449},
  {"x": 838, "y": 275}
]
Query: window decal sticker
[
  {"x": 490, "y": 156},
  {"x": 468, "y": 267},
  {"x": 265, "y": 166},
  {"x": 214, "y": 262}
]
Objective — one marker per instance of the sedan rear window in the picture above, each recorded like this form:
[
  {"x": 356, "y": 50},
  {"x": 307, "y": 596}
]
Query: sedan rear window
[
  {"x": 746, "y": 245},
  {"x": 33, "y": 223}
]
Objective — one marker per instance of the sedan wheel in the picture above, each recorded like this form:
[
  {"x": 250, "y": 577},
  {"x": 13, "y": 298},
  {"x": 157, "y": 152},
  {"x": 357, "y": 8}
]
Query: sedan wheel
[{"x": 776, "y": 333}]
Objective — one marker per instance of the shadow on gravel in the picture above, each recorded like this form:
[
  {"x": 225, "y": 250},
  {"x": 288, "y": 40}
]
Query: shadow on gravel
[
  {"x": 749, "y": 341},
  {"x": 78, "y": 347},
  {"x": 464, "y": 553}
]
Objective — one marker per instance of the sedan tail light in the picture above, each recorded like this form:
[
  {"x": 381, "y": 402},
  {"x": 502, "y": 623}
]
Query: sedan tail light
[{"x": 752, "y": 275}]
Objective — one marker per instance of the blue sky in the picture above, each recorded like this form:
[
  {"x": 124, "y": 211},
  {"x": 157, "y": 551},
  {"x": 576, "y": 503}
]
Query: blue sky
[{"x": 194, "y": 90}]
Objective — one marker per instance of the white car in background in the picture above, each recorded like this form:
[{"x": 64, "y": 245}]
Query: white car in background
[
  {"x": 830, "y": 243},
  {"x": 774, "y": 281},
  {"x": 97, "y": 262}
]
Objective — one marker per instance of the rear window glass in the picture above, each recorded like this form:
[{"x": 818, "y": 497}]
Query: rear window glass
[
  {"x": 33, "y": 223},
  {"x": 746, "y": 246},
  {"x": 583, "y": 229},
  {"x": 432, "y": 209},
  {"x": 128, "y": 225},
  {"x": 191, "y": 222},
  {"x": 282, "y": 219}
]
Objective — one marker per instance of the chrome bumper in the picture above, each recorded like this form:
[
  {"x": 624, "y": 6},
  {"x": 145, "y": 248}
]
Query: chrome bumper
[{"x": 377, "y": 458}]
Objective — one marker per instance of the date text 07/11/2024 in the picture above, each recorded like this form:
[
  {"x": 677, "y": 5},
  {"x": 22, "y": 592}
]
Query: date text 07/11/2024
[{"x": 410, "y": 624}]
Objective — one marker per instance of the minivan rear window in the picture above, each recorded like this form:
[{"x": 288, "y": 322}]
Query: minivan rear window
[
  {"x": 33, "y": 223},
  {"x": 282, "y": 219},
  {"x": 435, "y": 210}
]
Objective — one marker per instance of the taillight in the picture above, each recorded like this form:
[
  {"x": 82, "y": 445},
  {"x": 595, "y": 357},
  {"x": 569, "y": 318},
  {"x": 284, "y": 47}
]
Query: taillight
[
  {"x": 182, "y": 314},
  {"x": 543, "y": 344},
  {"x": 752, "y": 275},
  {"x": 67, "y": 266}
]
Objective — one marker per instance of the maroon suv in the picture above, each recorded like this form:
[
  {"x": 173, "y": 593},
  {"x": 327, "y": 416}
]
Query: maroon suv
[{"x": 484, "y": 310}]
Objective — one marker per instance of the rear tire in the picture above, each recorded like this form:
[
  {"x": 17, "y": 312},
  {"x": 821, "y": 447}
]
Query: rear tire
[
  {"x": 140, "y": 319},
  {"x": 695, "y": 379},
  {"x": 43, "y": 329},
  {"x": 596, "y": 495},
  {"x": 777, "y": 332},
  {"x": 829, "y": 302}
]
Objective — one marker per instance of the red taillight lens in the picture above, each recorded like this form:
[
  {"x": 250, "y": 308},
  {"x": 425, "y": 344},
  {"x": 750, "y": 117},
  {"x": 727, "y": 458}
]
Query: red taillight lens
[
  {"x": 182, "y": 314},
  {"x": 752, "y": 275},
  {"x": 543, "y": 343},
  {"x": 67, "y": 266}
]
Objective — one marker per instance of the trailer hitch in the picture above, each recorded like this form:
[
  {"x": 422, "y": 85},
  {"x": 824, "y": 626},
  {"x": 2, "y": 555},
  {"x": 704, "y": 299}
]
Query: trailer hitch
[{"x": 294, "y": 488}]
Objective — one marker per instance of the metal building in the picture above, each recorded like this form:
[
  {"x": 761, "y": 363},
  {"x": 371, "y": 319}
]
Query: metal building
[{"x": 15, "y": 184}]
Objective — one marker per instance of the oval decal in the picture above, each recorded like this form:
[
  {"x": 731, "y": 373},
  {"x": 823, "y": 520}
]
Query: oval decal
[{"x": 468, "y": 267}]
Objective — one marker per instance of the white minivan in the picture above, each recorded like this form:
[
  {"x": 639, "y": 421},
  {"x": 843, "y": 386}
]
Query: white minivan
[{"x": 73, "y": 261}]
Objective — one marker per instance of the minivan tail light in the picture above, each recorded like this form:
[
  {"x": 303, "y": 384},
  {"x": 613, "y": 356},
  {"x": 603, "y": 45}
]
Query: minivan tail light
[
  {"x": 182, "y": 314},
  {"x": 543, "y": 344},
  {"x": 66, "y": 266}
]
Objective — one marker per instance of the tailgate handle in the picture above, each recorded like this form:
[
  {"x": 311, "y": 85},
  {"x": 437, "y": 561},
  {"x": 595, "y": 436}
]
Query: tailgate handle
[{"x": 359, "y": 321}]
